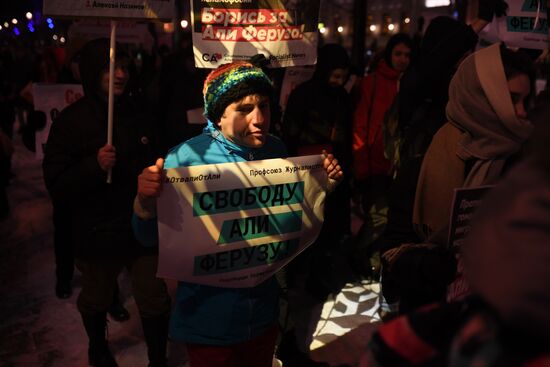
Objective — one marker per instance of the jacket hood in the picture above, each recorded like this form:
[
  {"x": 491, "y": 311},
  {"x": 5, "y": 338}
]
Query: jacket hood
[
  {"x": 330, "y": 57},
  {"x": 94, "y": 60}
]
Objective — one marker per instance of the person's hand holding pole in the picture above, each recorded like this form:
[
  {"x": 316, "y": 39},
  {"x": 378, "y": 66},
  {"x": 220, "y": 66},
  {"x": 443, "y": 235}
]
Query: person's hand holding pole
[{"x": 106, "y": 157}]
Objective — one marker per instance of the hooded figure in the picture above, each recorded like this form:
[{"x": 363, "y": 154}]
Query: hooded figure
[
  {"x": 318, "y": 111},
  {"x": 485, "y": 129},
  {"x": 318, "y": 116},
  {"x": 76, "y": 163}
]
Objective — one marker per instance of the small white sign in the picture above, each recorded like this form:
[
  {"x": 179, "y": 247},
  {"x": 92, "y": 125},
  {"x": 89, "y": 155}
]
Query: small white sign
[
  {"x": 52, "y": 99},
  {"x": 136, "y": 9},
  {"x": 436, "y": 3}
]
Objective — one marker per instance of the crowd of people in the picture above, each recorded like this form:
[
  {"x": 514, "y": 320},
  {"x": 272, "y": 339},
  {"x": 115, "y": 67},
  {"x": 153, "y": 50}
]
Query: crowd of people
[{"x": 421, "y": 123}]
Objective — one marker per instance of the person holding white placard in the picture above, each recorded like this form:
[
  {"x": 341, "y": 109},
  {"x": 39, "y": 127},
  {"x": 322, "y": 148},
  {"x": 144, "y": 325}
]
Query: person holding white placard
[{"x": 223, "y": 327}]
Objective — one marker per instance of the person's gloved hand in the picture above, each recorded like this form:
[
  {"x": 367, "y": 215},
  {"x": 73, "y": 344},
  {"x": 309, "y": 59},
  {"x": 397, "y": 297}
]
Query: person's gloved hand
[
  {"x": 106, "y": 157},
  {"x": 489, "y": 8},
  {"x": 501, "y": 8}
]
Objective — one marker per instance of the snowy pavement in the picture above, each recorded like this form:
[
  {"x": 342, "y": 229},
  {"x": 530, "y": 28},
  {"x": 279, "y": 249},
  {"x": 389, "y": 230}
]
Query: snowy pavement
[{"x": 36, "y": 328}]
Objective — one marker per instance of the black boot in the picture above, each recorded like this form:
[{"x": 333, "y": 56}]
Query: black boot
[
  {"x": 99, "y": 354},
  {"x": 116, "y": 309},
  {"x": 155, "y": 330}
]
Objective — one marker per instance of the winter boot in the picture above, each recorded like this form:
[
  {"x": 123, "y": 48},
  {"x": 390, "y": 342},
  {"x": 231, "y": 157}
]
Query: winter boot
[
  {"x": 99, "y": 354},
  {"x": 116, "y": 309},
  {"x": 155, "y": 330}
]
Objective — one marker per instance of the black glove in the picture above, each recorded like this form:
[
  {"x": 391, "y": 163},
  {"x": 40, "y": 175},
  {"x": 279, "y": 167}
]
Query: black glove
[
  {"x": 489, "y": 8},
  {"x": 259, "y": 61},
  {"x": 501, "y": 8}
]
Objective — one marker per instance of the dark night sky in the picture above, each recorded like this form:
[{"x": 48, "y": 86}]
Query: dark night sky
[{"x": 18, "y": 7}]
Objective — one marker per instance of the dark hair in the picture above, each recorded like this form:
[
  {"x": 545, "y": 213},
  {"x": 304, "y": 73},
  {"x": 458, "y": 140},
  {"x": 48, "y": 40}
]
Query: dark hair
[
  {"x": 516, "y": 62},
  {"x": 394, "y": 41},
  {"x": 330, "y": 57},
  {"x": 539, "y": 115}
]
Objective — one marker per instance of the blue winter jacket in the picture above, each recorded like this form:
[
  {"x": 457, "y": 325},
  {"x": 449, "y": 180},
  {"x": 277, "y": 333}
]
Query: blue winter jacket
[{"x": 213, "y": 315}]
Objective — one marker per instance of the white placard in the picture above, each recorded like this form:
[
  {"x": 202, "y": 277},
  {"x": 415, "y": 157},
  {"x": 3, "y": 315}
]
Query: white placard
[
  {"x": 135, "y": 9},
  {"x": 525, "y": 25},
  {"x": 52, "y": 99},
  {"x": 128, "y": 31},
  {"x": 227, "y": 31},
  {"x": 236, "y": 224}
]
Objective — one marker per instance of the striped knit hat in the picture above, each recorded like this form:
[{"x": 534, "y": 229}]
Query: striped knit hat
[{"x": 231, "y": 82}]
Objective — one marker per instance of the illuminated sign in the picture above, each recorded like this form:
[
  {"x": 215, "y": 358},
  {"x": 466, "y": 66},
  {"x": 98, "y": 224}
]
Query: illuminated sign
[{"x": 436, "y": 3}]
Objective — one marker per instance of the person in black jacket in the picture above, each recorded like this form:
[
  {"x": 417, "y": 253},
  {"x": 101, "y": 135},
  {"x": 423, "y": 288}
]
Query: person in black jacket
[
  {"x": 75, "y": 165},
  {"x": 318, "y": 116}
]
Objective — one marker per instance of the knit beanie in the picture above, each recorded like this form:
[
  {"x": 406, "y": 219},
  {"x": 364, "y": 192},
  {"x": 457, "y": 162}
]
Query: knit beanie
[{"x": 230, "y": 83}]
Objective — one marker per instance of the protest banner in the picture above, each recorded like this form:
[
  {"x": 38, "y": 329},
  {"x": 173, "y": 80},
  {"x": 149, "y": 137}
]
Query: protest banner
[
  {"x": 465, "y": 203},
  {"x": 224, "y": 31},
  {"x": 114, "y": 9},
  {"x": 52, "y": 99},
  {"x": 525, "y": 25},
  {"x": 236, "y": 224},
  {"x": 128, "y": 31}
]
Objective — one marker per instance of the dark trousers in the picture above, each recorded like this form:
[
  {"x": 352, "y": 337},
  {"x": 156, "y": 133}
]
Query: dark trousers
[
  {"x": 63, "y": 247},
  {"x": 99, "y": 281}
]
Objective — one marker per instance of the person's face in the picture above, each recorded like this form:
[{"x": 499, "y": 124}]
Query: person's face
[
  {"x": 400, "y": 57},
  {"x": 246, "y": 122},
  {"x": 120, "y": 79},
  {"x": 519, "y": 87},
  {"x": 338, "y": 77}
]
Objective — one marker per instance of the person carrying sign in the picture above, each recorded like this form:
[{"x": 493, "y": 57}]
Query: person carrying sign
[
  {"x": 223, "y": 327},
  {"x": 75, "y": 165}
]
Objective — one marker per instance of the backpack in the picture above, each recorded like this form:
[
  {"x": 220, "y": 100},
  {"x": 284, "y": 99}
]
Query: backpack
[
  {"x": 391, "y": 134},
  {"x": 403, "y": 143}
]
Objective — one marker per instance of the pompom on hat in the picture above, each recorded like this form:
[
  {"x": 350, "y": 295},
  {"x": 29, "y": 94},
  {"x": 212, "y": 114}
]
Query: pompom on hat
[{"x": 232, "y": 82}]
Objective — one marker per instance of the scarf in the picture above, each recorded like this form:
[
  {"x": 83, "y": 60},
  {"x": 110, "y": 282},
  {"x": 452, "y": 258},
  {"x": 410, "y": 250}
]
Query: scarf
[{"x": 482, "y": 125}]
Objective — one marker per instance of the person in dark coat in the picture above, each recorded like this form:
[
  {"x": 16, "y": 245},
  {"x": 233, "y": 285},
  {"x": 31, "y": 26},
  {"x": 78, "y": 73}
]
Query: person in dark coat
[
  {"x": 76, "y": 163},
  {"x": 63, "y": 247},
  {"x": 423, "y": 96},
  {"x": 318, "y": 116}
]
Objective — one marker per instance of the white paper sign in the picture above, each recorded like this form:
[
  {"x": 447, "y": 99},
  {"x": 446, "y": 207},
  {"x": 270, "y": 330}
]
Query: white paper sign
[
  {"x": 127, "y": 31},
  {"x": 236, "y": 224},
  {"x": 52, "y": 99},
  {"x": 136, "y": 9},
  {"x": 227, "y": 31},
  {"x": 525, "y": 25}
]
